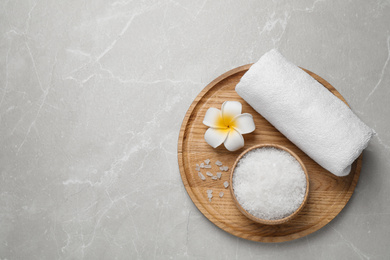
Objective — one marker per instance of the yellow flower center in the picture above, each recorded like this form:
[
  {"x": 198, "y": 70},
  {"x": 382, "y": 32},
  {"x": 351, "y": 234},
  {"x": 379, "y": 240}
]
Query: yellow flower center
[{"x": 226, "y": 121}]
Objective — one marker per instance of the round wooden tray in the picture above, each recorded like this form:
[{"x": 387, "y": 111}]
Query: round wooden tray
[{"x": 328, "y": 194}]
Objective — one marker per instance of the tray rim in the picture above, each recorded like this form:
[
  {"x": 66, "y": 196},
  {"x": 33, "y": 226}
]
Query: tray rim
[{"x": 206, "y": 213}]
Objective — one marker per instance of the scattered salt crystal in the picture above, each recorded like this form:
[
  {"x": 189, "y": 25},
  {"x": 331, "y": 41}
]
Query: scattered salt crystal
[
  {"x": 224, "y": 168},
  {"x": 218, "y": 163},
  {"x": 207, "y": 166},
  {"x": 197, "y": 167},
  {"x": 226, "y": 184},
  {"x": 207, "y": 161},
  {"x": 210, "y": 194},
  {"x": 209, "y": 174},
  {"x": 219, "y": 175},
  {"x": 214, "y": 178},
  {"x": 202, "y": 165},
  {"x": 201, "y": 176},
  {"x": 269, "y": 183},
  {"x": 221, "y": 194}
]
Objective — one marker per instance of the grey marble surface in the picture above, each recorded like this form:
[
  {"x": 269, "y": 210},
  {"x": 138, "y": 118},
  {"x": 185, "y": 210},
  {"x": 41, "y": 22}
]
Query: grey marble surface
[{"x": 92, "y": 96}]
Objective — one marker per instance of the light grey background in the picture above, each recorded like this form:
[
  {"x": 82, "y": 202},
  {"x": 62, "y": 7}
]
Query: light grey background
[{"x": 92, "y": 96}]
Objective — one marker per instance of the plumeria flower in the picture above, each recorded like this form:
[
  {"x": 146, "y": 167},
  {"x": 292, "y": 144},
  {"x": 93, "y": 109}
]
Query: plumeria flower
[{"x": 227, "y": 126}]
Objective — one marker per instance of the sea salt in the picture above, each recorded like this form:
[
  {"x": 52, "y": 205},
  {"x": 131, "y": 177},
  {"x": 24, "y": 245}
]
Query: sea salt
[
  {"x": 218, "y": 163},
  {"x": 219, "y": 175},
  {"x": 214, "y": 178},
  {"x": 207, "y": 166},
  {"x": 226, "y": 184},
  {"x": 224, "y": 168},
  {"x": 269, "y": 183},
  {"x": 201, "y": 176},
  {"x": 202, "y": 165},
  {"x": 210, "y": 194},
  {"x": 221, "y": 194},
  {"x": 207, "y": 161},
  {"x": 209, "y": 174},
  {"x": 197, "y": 167}
]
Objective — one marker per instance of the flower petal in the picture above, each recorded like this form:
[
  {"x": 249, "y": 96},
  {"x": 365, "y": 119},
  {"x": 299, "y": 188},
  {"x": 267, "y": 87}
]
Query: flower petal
[
  {"x": 216, "y": 136},
  {"x": 213, "y": 118},
  {"x": 244, "y": 123},
  {"x": 234, "y": 141},
  {"x": 230, "y": 109}
]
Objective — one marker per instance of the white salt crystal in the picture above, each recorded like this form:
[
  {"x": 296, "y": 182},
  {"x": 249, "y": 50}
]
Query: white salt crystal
[
  {"x": 224, "y": 168},
  {"x": 207, "y": 166},
  {"x": 197, "y": 167},
  {"x": 207, "y": 161},
  {"x": 218, "y": 163},
  {"x": 202, "y": 165},
  {"x": 219, "y": 175},
  {"x": 201, "y": 176},
  {"x": 226, "y": 184},
  {"x": 209, "y": 174},
  {"x": 269, "y": 183},
  {"x": 221, "y": 194},
  {"x": 210, "y": 194},
  {"x": 214, "y": 178}
]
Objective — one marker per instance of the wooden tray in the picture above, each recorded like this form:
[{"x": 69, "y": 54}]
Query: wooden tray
[{"x": 328, "y": 193}]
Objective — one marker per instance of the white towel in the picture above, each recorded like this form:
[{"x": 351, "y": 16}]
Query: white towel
[{"x": 306, "y": 112}]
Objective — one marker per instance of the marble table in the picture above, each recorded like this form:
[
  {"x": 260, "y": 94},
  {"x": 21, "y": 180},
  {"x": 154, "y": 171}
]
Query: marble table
[{"x": 92, "y": 96}]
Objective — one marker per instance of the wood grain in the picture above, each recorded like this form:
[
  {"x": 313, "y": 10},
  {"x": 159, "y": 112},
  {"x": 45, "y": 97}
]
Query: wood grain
[{"x": 328, "y": 194}]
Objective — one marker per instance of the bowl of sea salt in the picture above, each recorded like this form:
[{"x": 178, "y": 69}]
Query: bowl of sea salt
[{"x": 269, "y": 184}]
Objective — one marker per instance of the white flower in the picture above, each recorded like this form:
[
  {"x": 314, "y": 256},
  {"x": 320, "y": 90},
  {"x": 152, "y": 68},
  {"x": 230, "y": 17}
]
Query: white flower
[{"x": 227, "y": 125}]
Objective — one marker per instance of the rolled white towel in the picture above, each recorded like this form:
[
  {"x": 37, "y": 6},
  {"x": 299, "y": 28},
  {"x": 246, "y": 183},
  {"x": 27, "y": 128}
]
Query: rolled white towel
[{"x": 304, "y": 111}]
